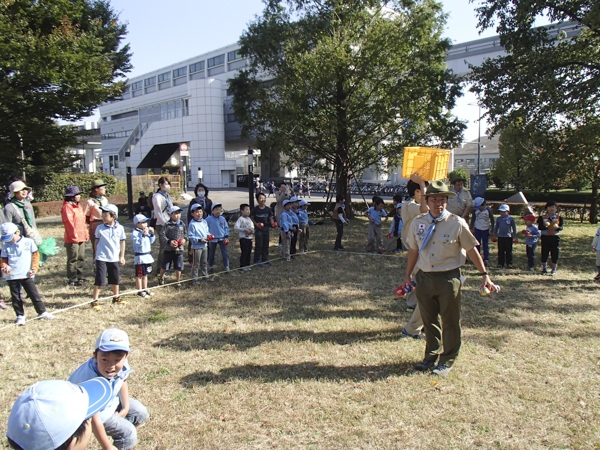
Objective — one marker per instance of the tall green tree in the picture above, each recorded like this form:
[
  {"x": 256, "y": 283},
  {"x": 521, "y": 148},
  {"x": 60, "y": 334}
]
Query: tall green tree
[
  {"x": 349, "y": 81},
  {"x": 59, "y": 60},
  {"x": 549, "y": 80}
]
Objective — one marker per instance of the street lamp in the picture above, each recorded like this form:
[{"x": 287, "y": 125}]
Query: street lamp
[
  {"x": 199, "y": 174},
  {"x": 478, "y": 136}
]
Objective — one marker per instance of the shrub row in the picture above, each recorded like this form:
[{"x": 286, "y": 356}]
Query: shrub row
[
  {"x": 54, "y": 189},
  {"x": 580, "y": 198}
]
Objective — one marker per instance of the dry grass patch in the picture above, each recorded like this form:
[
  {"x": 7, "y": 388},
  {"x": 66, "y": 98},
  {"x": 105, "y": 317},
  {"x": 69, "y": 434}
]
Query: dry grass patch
[{"x": 308, "y": 355}]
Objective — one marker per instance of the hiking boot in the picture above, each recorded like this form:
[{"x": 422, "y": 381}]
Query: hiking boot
[
  {"x": 46, "y": 315},
  {"x": 441, "y": 370},
  {"x": 406, "y": 334},
  {"x": 425, "y": 365},
  {"x": 20, "y": 320}
]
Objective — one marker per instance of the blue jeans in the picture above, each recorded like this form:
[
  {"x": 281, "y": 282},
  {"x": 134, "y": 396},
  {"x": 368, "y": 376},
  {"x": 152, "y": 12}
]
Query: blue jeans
[
  {"x": 123, "y": 430},
  {"x": 483, "y": 237},
  {"x": 212, "y": 248}
]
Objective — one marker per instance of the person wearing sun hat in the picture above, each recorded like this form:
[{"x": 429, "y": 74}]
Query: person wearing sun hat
[
  {"x": 76, "y": 234},
  {"x": 19, "y": 210},
  {"x": 54, "y": 414},
  {"x": 438, "y": 243},
  {"x": 93, "y": 212},
  {"x": 461, "y": 203}
]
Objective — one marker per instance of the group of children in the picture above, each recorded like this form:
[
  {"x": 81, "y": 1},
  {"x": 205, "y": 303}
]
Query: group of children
[
  {"x": 377, "y": 216},
  {"x": 294, "y": 228},
  {"x": 61, "y": 414},
  {"x": 503, "y": 230}
]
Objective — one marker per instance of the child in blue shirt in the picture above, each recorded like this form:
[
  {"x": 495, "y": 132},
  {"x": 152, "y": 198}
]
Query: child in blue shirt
[
  {"x": 143, "y": 237},
  {"x": 303, "y": 224},
  {"x": 286, "y": 224},
  {"x": 110, "y": 253},
  {"x": 482, "y": 224},
  {"x": 122, "y": 414},
  {"x": 19, "y": 264},
  {"x": 376, "y": 215},
  {"x": 396, "y": 226},
  {"x": 506, "y": 232},
  {"x": 532, "y": 234},
  {"x": 199, "y": 236},
  {"x": 218, "y": 227},
  {"x": 295, "y": 225}
]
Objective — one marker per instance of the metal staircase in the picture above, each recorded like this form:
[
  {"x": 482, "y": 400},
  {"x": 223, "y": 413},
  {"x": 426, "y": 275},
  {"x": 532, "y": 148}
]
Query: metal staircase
[{"x": 133, "y": 139}]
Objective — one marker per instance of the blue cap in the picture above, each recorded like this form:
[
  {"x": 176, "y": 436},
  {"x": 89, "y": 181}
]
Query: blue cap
[
  {"x": 8, "y": 231},
  {"x": 215, "y": 205},
  {"x": 111, "y": 209},
  {"x": 504, "y": 207},
  {"x": 140, "y": 218},
  {"x": 285, "y": 202},
  {"x": 478, "y": 201},
  {"x": 49, "y": 412},
  {"x": 174, "y": 209},
  {"x": 112, "y": 340},
  {"x": 303, "y": 202},
  {"x": 195, "y": 206},
  {"x": 293, "y": 199}
]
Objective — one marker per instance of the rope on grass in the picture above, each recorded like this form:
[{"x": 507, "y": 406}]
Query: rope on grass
[{"x": 134, "y": 291}]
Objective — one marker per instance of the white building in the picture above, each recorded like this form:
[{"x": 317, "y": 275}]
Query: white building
[{"x": 179, "y": 116}]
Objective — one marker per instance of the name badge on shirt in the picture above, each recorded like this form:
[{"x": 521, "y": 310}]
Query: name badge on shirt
[{"x": 421, "y": 228}]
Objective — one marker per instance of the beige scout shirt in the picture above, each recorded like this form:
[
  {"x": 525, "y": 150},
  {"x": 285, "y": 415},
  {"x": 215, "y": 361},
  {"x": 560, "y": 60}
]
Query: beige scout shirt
[
  {"x": 448, "y": 246},
  {"x": 459, "y": 202},
  {"x": 408, "y": 212}
]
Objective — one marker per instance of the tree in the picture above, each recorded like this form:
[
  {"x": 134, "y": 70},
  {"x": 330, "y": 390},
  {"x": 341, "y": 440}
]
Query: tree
[
  {"x": 350, "y": 82},
  {"x": 548, "y": 80},
  {"x": 59, "y": 60}
]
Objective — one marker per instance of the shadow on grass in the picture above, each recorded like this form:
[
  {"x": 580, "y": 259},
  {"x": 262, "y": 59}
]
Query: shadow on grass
[
  {"x": 304, "y": 371},
  {"x": 242, "y": 341}
]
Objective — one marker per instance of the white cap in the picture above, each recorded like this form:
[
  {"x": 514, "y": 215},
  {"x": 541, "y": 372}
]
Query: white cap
[
  {"x": 8, "y": 229},
  {"x": 140, "y": 218},
  {"x": 111, "y": 208},
  {"x": 112, "y": 340}
]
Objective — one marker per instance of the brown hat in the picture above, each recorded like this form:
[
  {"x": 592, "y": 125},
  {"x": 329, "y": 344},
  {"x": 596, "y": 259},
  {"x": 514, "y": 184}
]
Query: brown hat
[
  {"x": 438, "y": 187},
  {"x": 98, "y": 183}
]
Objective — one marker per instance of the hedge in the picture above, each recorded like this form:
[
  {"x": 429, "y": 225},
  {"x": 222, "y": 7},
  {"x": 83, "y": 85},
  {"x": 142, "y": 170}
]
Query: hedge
[
  {"x": 580, "y": 198},
  {"x": 54, "y": 189}
]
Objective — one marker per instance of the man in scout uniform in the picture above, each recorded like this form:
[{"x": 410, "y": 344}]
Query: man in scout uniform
[
  {"x": 438, "y": 243},
  {"x": 461, "y": 203}
]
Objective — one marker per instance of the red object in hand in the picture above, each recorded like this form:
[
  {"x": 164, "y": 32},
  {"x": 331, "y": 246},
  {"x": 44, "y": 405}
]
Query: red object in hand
[
  {"x": 389, "y": 235},
  {"x": 274, "y": 224},
  {"x": 211, "y": 237},
  {"x": 515, "y": 240},
  {"x": 400, "y": 291},
  {"x": 226, "y": 241},
  {"x": 494, "y": 239},
  {"x": 260, "y": 224},
  {"x": 179, "y": 241},
  {"x": 524, "y": 231}
]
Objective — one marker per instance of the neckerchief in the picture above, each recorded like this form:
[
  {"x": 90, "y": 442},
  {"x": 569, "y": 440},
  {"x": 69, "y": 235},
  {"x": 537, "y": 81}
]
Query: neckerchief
[
  {"x": 431, "y": 229},
  {"x": 25, "y": 212},
  {"x": 458, "y": 199}
]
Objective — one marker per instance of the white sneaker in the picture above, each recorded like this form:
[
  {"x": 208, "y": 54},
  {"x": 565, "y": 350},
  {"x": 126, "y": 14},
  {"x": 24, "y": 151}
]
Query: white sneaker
[
  {"x": 20, "y": 320},
  {"x": 46, "y": 315}
]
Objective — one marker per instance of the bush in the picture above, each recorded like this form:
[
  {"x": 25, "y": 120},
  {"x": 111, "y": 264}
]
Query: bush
[
  {"x": 52, "y": 209},
  {"x": 54, "y": 189}
]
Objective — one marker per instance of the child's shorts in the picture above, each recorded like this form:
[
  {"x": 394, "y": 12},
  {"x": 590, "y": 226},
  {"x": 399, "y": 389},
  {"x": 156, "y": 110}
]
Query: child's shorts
[
  {"x": 104, "y": 268},
  {"x": 175, "y": 258},
  {"x": 142, "y": 270}
]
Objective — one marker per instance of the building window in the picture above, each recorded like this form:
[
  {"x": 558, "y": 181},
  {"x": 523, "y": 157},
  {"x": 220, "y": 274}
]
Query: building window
[
  {"x": 216, "y": 61},
  {"x": 458, "y": 161},
  {"x": 233, "y": 56},
  {"x": 197, "y": 67},
  {"x": 470, "y": 161},
  {"x": 136, "y": 88},
  {"x": 117, "y": 134},
  {"x": 125, "y": 115},
  {"x": 113, "y": 161},
  {"x": 171, "y": 110},
  {"x": 164, "y": 77},
  {"x": 181, "y": 72},
  {"x": 150, "y": 81},
  {"x": 493, "y": 160}
]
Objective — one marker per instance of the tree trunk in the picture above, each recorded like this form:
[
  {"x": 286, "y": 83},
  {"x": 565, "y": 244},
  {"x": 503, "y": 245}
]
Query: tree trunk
[{"x": 594, "y": 203}]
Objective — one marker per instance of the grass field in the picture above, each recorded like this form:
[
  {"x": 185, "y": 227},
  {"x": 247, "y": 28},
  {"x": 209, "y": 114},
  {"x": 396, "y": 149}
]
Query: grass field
[{"x": 307, "y": 354}]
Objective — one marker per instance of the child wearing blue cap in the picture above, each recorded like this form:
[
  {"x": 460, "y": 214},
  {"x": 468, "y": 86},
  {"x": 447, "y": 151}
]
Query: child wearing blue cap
[
  {"x": 199, "y": 237},
  {"x": 19, "y": 263},
  {"x": 110, "y": 253},
  {"x": 143, "y": 237},
  {"x": 54, "y": 414},
  {"x": 173, "y": 236},
  {"x": 218, "y": 227},
  {"x": 122, "y": 414},
  {"x": 303, "y": 221},
  {"x": 376, "y": 215}
]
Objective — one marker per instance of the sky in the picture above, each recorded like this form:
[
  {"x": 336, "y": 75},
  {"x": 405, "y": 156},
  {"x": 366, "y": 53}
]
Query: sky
[{"x": 162, "y": 33}]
